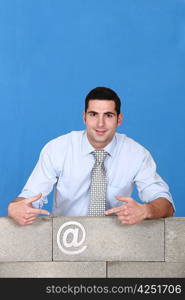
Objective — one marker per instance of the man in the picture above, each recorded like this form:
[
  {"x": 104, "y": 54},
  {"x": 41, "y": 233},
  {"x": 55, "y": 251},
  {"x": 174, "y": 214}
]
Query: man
[{"x": 66, "y": 164}]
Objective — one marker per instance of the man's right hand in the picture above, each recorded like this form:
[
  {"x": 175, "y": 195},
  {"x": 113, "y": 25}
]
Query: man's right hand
[{"x": 23, "y": 213}]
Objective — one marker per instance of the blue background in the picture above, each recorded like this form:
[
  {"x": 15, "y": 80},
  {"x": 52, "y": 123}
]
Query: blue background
[{"x": 53, "y": 52}]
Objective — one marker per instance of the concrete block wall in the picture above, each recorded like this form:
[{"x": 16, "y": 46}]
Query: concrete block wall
[{"x": 92, "y": 247}]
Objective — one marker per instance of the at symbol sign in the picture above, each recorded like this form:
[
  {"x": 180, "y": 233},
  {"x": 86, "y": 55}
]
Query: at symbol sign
[{"x": 74, "y": 233}]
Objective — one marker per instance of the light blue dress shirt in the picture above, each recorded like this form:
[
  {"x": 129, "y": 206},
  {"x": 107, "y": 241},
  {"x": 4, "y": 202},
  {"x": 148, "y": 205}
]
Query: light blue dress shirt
[{"x": 65, "y": 164}]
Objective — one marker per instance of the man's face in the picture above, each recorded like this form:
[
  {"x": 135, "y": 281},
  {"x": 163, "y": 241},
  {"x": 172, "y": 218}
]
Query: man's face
[{"x": 101, "y": 121}]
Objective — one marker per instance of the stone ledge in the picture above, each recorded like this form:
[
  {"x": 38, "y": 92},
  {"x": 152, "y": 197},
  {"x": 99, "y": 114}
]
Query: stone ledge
[
  {"x": 26, "y": 243},
  {"x": 53, "y": 270},
  {"x": 145, "y": 270},
  {"x": 153, "y": 248},
  {"x": 175, "y": 239},
  {"x": 107, "y": 240}
]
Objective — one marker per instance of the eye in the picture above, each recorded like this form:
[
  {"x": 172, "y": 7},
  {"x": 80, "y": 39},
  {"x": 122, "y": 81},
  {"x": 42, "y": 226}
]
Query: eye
[
  {"x": 92, "y": 114},
  {"x": 109, "y": 115}
]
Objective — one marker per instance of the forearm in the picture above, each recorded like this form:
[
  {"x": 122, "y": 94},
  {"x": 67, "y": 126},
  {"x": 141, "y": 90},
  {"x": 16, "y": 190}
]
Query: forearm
[{"x": 159, "y": 208}]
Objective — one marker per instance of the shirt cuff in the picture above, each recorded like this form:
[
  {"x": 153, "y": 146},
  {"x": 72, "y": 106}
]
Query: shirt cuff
[
  {"x": 36, "y": 204},
  {"x": 163, "y": 195}
]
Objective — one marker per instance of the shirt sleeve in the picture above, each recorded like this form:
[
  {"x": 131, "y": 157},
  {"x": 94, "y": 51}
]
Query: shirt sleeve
[
  {"x": 149, "y": 184},
  {"x": 41, "y": 180}
]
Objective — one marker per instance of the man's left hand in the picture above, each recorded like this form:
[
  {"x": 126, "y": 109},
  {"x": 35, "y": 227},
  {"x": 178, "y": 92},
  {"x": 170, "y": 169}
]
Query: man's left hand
[{"x": 131, "y": 212}]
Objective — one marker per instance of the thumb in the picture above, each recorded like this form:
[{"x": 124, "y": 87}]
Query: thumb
[
  {"x": 32, "y": 199},
  {"x": 124, "y": 199}
]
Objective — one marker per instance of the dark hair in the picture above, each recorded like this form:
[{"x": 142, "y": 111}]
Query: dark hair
[{"x": 103, "y": 93}]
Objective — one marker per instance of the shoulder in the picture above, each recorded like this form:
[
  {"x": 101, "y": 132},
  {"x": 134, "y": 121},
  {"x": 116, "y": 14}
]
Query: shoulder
[
  {"x": 62, "y": 142},
  {"x": 129, "y": 145}
]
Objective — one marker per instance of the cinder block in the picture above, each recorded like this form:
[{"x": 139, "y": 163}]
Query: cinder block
[
  {"x": 53, "y": 270},
  {"x": 26, "y": 243},
  {"x": 145, "y": 270},
  {"x": 175, "y": 239},
  {"x": 105, "y": 239}
]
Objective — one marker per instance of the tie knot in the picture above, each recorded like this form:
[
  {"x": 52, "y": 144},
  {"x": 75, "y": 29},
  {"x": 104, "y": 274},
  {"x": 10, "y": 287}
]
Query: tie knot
[{"x": 99, "y": 155}]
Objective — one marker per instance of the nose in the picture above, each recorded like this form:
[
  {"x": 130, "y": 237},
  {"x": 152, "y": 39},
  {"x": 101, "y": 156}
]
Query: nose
[{"x": 100, "y": 121}]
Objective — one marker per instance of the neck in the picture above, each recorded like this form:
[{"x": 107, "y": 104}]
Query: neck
[{"x": 97, "y": 146}]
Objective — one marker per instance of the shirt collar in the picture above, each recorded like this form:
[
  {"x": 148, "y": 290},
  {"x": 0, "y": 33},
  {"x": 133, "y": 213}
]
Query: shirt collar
[{"x": 88, "y": 148}]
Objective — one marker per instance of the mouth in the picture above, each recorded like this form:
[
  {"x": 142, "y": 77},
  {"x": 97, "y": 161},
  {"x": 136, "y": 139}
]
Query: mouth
[{"x": 100, "y": 132}]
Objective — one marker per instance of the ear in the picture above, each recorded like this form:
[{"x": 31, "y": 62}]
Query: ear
[
  {"x": 120, "y": 119},
  {"x": 84, "y": 117}
]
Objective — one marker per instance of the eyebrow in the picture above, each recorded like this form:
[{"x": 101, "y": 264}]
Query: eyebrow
[{"x": 106, "y": 113}]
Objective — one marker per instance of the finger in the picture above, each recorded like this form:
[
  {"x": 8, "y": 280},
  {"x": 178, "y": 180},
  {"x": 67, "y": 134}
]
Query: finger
[
  {"x": 124, "y": 199},
  {"x": 31, "y": 215},
  {"x": 34, "y": 212},
  {"x": 130, "y": 222},
  {"x": 32, "y": 199},
  {"x": 114, "y": 210},
  {"x": 30, "y": 218},
  {"x": 125, "y": 221},
  {"x": 123, "y": 218},
  {"x": 39, "y": 211},
  {"x": 123, "y": 213},
  {"x": 29, "y": 223}
]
